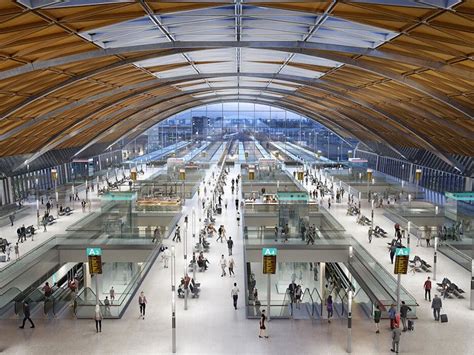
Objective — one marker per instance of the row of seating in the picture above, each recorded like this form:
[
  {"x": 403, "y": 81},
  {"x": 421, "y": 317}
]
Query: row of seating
[
  {"x": 65, "y": 211},
  {"x": 353, "y": 210},
  {"x": 363, "y": 220},
  {"x": 418, "y": 264},
  {"x": 190, "y": 285},
  {"x": 379, "y": 232},
  {"x": 450, "y": 289}
]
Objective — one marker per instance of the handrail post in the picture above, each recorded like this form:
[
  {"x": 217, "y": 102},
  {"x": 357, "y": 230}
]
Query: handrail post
[{"x": 349, "y": 305}]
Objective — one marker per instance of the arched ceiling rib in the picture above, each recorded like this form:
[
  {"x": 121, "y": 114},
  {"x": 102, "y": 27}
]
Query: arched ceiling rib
[{"x": 403, "y": 70}]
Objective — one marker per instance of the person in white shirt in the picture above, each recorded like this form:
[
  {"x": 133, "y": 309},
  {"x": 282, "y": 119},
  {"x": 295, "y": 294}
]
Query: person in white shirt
[
  {"x": 235, "y": 294},
  {"x": 223, "y": 263},
  {"x": 166, "y": 257}
]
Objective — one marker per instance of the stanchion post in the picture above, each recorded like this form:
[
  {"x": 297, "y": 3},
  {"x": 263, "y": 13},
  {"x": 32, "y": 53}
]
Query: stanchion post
[
  {"x": 435, "y": 257},
  {"x": 349, "y": 307},
  {"x": 269, "y": 290},
  {"x": 173, "y": 301},
  {"x": 185, "y": 251}
]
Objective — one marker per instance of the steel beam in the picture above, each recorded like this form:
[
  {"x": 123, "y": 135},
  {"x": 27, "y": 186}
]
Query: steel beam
[
  {"x": 77, "y": 127},
  {"x": 312, "y": 83},
  {"x": 326, "y": 51},
  {"x": 317, "y": 84},
  {"x": 291, "y": 106}
]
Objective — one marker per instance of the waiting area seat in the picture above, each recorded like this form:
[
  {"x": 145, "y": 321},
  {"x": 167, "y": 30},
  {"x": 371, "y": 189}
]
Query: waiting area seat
[{"x": 449, "y": 289}]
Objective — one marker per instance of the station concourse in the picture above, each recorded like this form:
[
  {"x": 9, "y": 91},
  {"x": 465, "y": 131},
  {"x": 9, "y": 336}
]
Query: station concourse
[{"x": 312, "y": 158}]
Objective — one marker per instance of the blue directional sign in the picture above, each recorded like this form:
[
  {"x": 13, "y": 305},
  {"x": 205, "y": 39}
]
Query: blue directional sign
[
  {"x": 402, "y": 252},
  {"x": 93, "y": 251},
  {"x": 269, "y": 251}
]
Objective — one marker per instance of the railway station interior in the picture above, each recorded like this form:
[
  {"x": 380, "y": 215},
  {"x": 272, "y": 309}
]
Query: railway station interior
[{"x": 236, "y": 176}]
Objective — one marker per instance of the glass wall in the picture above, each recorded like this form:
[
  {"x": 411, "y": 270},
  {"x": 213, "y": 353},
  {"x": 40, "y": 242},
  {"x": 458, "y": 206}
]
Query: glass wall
[{"x": 216, "y": 121}]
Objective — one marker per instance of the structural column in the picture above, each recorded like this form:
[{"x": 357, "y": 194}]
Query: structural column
[{"x": 322, "y": 280}]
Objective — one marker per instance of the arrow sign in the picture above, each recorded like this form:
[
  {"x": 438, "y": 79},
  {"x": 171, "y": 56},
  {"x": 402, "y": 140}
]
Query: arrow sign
[
  {"x": 269, "y": 251},
  {"x": 93, "y": 251},
  {"x": 402, "y": 252}
]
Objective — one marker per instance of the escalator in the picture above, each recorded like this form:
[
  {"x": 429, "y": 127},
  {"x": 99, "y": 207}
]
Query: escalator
[
  {"x": 11, "y": 302},
  {"x": 308, "y": 308}
]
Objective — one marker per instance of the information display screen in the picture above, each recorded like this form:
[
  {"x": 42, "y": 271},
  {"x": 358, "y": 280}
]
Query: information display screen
[
  {"x": 269, "y": 264},
  {"x": 95, "y": 264},
  {"x": 401, "y": 265}
]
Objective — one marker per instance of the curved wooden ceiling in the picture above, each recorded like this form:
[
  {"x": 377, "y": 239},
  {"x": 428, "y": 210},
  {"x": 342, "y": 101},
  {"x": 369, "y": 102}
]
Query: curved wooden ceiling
[{"x": 72, "y": 75}]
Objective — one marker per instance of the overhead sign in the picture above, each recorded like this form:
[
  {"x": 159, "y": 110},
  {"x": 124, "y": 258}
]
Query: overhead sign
[
  {"x": 94, "y": 251},
  {"x": 269, "y": 251},
  {"x": 94, "y": 256},
  {"x": 401, "y": 260},
  {"x": 401, "y": 265},
  {"x": 269, "y": 260},
  {"x": 402, "y": 252}
]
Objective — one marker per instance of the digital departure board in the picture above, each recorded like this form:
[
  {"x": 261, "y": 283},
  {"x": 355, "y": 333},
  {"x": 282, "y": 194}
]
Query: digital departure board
[
  {"x": 94, "y": 256},
  {"x": 269, "y": 260},
  {"x": 401, "y": 265}
]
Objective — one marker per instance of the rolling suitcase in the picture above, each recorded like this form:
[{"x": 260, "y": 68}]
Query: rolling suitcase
[
  {"x": 411, "y": 325},
  {"x": 444, "y": 318}
]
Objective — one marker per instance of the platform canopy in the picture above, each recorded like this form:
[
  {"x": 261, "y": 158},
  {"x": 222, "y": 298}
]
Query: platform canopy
[{"x": 76, "y": 73}]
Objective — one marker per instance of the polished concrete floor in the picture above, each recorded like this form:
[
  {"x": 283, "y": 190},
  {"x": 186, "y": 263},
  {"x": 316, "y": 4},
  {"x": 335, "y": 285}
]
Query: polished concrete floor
[{"x": 212, "y": 326}]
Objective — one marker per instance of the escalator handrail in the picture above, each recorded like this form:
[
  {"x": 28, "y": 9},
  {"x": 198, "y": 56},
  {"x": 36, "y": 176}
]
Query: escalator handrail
[
  {"x": 311, "y": 297},
  {"x": 357, "y": 254}
]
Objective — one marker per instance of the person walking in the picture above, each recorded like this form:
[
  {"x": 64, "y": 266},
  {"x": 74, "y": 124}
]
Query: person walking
[
  {"x": 26, "y": 315},
  {"x": 329, "y": 308},
  {"x": 235, "y": 294},
  {"x": 177, "y": 234},
  {"x": 107, "y": 305},
  {"x": 142, "y": 301},
  {"x": 45, "y": 223},
  {"x": 396, "y": 334},
  {"x": 98, "y": 319},
  {"x": 112, "y": 295},
  {"x": 166, "y": 256},
  {"x": 403, "y": 315},
  {"x": 17, "y": 251},
  {"x": 377, "y": 316},
  {"x": 437, "y": 304},
  {"x": 230, "y": 244},
  {"x": 156, "y": 235},
  {"x": 427, "y": 287},
  {"x": 220, "y": 233},
  {"x": 223, "y": 264},
  {"x": 393, "y": 249},
  {"x": 392, "y": 315},
  {"x": 263, "y": 327},
  {"x": 231, "y": 266},
  {"x": 12, "y": 218}
]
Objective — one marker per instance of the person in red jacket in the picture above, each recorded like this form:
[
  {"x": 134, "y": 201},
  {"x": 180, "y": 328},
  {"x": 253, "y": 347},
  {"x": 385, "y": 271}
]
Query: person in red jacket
[{"x": 427, "y": 287}]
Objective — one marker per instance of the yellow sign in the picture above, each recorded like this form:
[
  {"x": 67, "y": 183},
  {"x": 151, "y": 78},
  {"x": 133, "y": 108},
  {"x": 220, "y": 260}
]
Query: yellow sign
[
  {"x": 269, "y": 264},
  {"x": 369, "y": 174},
  {"x": 418, "y": 174},
  {"x": 95, "y": 264},
  {"x": 133, "y": 175},
  {"x": 251, "y": 174},
  {"x": 300, "y": 175},
  {"x": 401, "y": 265},
  {"x": 182, "y": 175}
]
